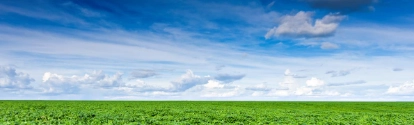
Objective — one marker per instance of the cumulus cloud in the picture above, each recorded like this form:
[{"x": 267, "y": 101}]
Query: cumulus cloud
[
  {"x": 314, "y": 82},
  {"x": 10, "y": 79},
  {"x": 405, "y": 89},
  {"x": 347, "y": 83},
  {"x": 189, "y": 80},
  {"x": 311, "y": 87},
  {"x": 141, "y": 86},
  {"x": 343, "y": 6},
  {"x": 289, "y": 81},
  {"x": 328, "y": 45},
  {"x": 228, "y": 78},
  {"x": 301, "y": 25},
  {"x": 142, "y": 73},
  {"x": 338, "y": 73},
  {"x": 59, "y": 84},
  {"x": 213, "y": 84},
  {"x": 291, "y": 86},
  {"x": 315, "y": 87}
]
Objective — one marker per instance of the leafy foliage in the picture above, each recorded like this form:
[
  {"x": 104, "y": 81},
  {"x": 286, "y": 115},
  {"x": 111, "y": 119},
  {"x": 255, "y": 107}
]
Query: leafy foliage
[{"x": 204, "y": 112}]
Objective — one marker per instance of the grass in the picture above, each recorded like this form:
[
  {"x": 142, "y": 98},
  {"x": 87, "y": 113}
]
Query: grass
[{"x": 205, "y": 112}]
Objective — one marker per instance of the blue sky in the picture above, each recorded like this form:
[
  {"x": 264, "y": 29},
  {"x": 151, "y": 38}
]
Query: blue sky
[{"x": 207, "y": 50}]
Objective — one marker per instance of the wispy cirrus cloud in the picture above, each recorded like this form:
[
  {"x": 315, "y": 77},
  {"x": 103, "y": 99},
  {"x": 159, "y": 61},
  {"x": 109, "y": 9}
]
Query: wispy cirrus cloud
[
  {"x": 338, "y": 73},
  {"x": 343, "y": 6},
  {"x": 347, "y": 83},
  {"x": 329, "y": 45}
]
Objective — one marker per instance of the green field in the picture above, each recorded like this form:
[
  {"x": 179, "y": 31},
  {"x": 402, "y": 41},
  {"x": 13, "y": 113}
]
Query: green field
[{"x": 204, "y": 112}]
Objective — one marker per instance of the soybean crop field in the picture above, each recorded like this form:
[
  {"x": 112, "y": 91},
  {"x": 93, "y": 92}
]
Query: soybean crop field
[{"x": 204, "y": 112}]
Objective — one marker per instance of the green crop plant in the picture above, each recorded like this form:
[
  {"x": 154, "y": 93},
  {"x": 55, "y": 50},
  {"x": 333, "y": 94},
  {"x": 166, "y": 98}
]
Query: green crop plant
[{"x": 204, "y": 112}]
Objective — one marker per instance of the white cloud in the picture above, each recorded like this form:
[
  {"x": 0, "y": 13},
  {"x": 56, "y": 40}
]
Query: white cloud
[
  {"x": 294, "y": 87},
  {"x": 405, "y": 89},
  {"x": 104, "y": 80},
  {"x": 328, "y": 45},
  {"x": 301, "y": 25},
  {"x": 314, "y": 82},
  {"x": 140, "y": 86},
  {"x": 314, "y": 87},
  {"x": 189, "y": 80},
  {"x": 213, "y": 84},
  {"x": 59, "y": 84},
  {"x": 204, "y": 86},
  {"x": 10, "y": 79}
]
